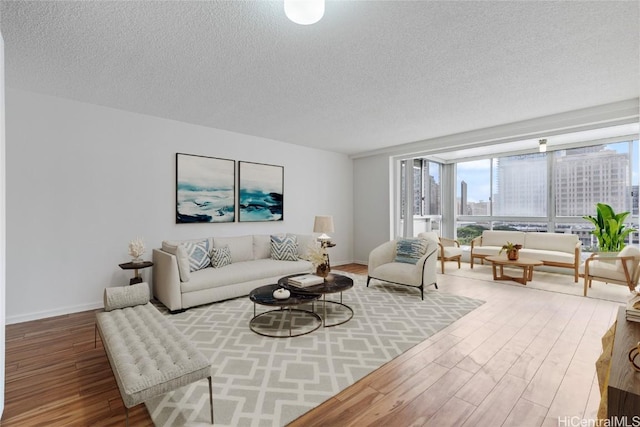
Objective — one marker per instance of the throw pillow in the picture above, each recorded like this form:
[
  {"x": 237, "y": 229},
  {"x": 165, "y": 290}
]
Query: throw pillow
[
  {"x": 284, "y": 248},
  {"x": 198, "y": 254},
  {"x": 220, "y": 257},
  {"x": 410, "y": 250}
]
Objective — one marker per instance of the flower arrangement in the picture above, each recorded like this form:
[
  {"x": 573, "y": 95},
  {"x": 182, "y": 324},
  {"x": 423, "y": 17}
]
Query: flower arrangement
[
  {"x": 136, "y": 248},
  {"x": 319, "y": 257},
  {"x": 317, "y": 254}
]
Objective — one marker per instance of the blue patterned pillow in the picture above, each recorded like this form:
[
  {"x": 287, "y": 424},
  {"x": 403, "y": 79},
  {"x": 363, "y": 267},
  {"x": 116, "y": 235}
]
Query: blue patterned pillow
[
  {"x": 198, "y": 254},
  {"x": 284, "y": 248},
  {"x": 220, "y": 257},
  {"x": 410, "y": 250}
]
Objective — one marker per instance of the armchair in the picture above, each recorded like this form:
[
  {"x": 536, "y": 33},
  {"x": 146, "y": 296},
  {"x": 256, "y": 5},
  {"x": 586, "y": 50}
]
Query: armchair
[
  {"x": 623, "y": 269},
  {"x": 384, "y": 267},
  {"x": 448, "y": 249}
]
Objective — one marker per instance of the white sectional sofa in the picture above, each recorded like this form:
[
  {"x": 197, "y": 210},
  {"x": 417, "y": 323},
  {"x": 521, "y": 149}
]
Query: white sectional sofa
[
  {"x": 178, "y": 287},
  {"x": 553, "y": 249}
]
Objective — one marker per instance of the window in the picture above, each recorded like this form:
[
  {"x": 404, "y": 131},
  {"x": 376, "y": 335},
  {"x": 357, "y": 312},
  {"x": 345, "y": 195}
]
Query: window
[
  {"x": 474, "y": 188},
  {"x": 520, "y": 185},
  {"x": 426, "y": 187}
]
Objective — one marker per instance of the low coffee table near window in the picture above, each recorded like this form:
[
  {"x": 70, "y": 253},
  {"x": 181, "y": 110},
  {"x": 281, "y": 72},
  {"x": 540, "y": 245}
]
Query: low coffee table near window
[
  {"x": 333, "y": 283},
  {"x": 526, "y": 264},
  {"x": 294, "y": 321}
]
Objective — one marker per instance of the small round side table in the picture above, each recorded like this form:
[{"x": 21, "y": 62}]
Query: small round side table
[{"x": 135, "y": 266}]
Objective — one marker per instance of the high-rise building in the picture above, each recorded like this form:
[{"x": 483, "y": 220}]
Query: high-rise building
[
  {"x": 463, "y": 198},
  {"x": 586, "y": 176},
  {"x": 521, "y": 186}
]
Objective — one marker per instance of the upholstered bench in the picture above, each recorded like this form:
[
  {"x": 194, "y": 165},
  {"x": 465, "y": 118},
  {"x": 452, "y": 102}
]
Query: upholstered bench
[{"x": 148, "y": 355}]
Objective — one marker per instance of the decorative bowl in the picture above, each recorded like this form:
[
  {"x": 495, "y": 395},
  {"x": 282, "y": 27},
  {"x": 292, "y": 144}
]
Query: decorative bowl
[{"x": 281, "y": 293}]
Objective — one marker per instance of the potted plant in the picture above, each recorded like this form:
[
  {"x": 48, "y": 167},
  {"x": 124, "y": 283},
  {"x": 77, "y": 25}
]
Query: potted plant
[
  {"x": 609, "y": 228},
  {"x": 512, "y": 250}
]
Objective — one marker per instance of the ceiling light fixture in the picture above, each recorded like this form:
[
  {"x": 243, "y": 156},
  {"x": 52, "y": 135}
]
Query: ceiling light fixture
[
  {"x": 304, "y": 12},
  {"x": 543, "y": 145}
]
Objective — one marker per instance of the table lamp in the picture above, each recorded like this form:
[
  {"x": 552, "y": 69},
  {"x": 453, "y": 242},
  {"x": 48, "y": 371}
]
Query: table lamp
[{"x": 323, "y": 224}]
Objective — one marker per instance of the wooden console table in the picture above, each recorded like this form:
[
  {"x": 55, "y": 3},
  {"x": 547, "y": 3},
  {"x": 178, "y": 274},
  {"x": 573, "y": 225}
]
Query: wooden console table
[{"x": 623, "y": 389}]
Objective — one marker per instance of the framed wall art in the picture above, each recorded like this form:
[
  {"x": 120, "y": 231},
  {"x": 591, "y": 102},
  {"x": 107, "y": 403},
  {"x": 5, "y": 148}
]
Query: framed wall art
[
  {"x": 260, "y": 197},
  {"x": 205, "y": 189}
]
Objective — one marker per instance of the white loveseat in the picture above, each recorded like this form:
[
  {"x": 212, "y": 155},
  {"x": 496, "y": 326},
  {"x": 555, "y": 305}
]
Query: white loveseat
[
  {"x": 553, "y": 249},
  {"x": 251, "y": 266}
]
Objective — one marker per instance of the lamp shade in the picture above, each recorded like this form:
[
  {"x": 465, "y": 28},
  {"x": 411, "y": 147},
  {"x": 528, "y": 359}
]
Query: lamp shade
[
  {"x": 323, "y": 224},
  {"x": 304, "y": 12}
]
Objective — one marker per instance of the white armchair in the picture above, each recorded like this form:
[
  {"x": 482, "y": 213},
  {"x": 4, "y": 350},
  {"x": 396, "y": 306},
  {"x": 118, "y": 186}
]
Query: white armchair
[
  {"x": 383, "y": 266},
  {"x": 448, "y": 249},
  {"x": 623, "y": 269}
]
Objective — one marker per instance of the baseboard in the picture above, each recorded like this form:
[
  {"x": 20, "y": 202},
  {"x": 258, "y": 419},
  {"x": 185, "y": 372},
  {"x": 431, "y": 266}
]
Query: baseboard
[{"x": 52, "y": 313}]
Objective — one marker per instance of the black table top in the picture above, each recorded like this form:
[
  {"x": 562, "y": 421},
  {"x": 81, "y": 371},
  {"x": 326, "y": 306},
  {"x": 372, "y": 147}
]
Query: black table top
[
  {"x": 264, "y": 296},
  {"x": 332, "y": 283},
  {"x": 135, "y": 265}
]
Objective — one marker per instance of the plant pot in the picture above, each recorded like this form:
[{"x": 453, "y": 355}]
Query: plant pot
[{"x": 512, "y": 254}]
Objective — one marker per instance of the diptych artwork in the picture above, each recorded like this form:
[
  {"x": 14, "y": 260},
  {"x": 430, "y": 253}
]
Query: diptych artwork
[
  {"x": 261, "y": 192},
  {"x": 205, "y": 189}
]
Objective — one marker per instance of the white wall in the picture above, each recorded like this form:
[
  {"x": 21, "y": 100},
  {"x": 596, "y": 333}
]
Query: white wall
[
  {"x": 3, "y": 229},
  {"x": 83, "y": 180},
  {"x": 372, "y": 209}
]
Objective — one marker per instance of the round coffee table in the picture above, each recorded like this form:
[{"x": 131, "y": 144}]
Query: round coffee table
[
  {"x": 333, "y": 283},
  {"x": 283, "y": 315}
]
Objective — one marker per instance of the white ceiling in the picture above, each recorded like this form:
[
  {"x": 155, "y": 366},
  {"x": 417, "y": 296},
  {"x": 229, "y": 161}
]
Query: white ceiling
[{"x": 369, "y": 75}]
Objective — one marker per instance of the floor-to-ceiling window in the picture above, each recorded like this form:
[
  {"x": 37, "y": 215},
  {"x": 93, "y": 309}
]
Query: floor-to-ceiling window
[
  {"x": 523, "y": 189},
  {"x": 549, "y": 191},
  {"x": 426, "y": 191}
]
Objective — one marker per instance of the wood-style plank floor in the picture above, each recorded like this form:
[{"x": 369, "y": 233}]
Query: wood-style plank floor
[{"x": 524, "y": 358}]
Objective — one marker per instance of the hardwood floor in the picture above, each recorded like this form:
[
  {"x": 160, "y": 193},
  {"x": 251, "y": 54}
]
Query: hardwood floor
[{"x": 524, "y": 358}]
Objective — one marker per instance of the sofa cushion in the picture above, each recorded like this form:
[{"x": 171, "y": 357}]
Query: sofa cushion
[
  {"x": 305, "y": 242},
  {"x": 242, "y": 272},
  {"x": 628, "y": 251},
  {"x": 220, "y": 257},
  {"x": 499, "y": 237},
  {"x": 431, "y": 235},
  {"x": 397, "y": 272},
  {"x": 548, "y": 256},
  {"x": 551, "y": 242},
  {"x": 605, "y": 268},
  {"x": 284, "y": 248},
  {"x": 241, "y": 247},
  {"x": 261, "y": 246},
  {"x": 198, "y": 254},
  {"x": 410, "y": 250},
  {"x": 182, "y": 259}
]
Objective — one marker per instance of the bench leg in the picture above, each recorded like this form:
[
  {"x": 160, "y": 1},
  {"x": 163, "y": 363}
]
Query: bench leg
[
  {"x": 126, "y": 411},
  {"x": 211, "y": 398}
]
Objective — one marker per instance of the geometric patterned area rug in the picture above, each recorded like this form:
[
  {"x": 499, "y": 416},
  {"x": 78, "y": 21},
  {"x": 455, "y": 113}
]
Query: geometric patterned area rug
[{"x": 260, "y": 381}]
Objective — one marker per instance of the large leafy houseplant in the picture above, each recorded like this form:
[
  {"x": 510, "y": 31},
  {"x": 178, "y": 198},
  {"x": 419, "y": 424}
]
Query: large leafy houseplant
[{"x": 610, "y": 229}]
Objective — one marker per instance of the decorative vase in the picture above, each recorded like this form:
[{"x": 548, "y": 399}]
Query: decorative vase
[
  {"x": 323, "y": 270},
  {"x": 137, "y": 260},
  {"x": 512, "y": 254}
]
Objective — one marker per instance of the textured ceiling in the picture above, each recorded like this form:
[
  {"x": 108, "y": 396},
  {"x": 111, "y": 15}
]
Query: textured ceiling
[{"x": 369, "y": 75}]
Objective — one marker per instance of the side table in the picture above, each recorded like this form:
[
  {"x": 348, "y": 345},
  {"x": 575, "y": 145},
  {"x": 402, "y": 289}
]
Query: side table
[{"x": 135, "y": 266}]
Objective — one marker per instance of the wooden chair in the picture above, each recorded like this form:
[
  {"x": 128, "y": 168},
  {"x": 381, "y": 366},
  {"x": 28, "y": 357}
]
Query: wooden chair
[
  {"x": 623, "y": 269},
  {"x": 448, "y": 249}
]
